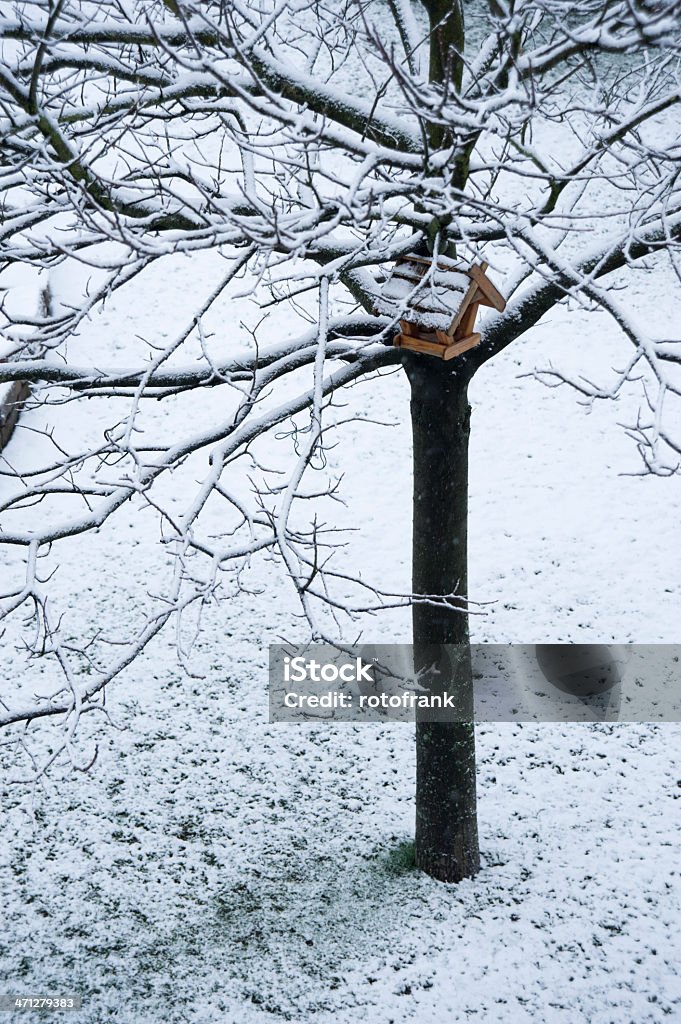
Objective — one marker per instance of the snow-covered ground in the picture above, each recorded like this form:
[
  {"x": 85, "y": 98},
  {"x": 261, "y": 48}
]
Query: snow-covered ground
[{"x": 214, "y": 868}]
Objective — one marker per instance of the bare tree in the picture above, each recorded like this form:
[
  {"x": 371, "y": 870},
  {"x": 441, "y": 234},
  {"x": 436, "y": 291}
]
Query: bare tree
[{"x": 311, "y": 146}]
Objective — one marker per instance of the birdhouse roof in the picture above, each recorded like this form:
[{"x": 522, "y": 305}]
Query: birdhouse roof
[{"x": 425, "y": 293}]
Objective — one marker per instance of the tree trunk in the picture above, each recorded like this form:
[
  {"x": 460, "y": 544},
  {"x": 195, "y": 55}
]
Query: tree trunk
[
  {"x": 12, "y": 399},
  {"x": 446, "y": 822}
]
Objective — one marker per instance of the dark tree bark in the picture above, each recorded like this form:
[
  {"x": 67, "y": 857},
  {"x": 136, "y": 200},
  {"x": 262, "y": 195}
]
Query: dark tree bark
[
  {"x": 446, "y": 822},
  {"x": 10, "y": 407}
]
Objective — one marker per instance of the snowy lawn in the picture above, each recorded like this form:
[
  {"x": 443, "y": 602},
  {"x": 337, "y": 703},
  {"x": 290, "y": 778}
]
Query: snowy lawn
[{"x": 214, "y": 868}]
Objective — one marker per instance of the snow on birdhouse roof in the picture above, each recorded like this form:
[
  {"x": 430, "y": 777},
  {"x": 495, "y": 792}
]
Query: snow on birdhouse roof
[{"x": 424, "y": 293}]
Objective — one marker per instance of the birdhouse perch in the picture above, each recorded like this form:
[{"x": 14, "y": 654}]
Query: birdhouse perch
[{"x": 437, "y": 304}]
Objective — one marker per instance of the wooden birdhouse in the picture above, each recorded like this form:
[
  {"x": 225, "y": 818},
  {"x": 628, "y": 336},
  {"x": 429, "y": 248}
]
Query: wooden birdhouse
[{"x": 437, "y": 303}]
